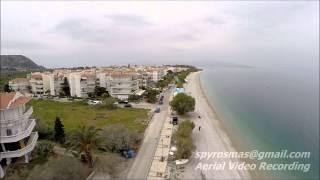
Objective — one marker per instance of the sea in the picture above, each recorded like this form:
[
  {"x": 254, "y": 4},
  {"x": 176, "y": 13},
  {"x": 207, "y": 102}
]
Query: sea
[{"x": 269, "y": 109}]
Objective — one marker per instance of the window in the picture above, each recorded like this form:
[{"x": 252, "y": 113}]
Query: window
[{"x": 9, "y": 132}]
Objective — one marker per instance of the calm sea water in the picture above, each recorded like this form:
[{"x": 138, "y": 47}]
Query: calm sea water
[{"x": 269, "y": 109}]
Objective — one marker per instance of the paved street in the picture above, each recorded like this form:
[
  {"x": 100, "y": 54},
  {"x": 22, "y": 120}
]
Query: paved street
[{"x": 143, "y": 160}]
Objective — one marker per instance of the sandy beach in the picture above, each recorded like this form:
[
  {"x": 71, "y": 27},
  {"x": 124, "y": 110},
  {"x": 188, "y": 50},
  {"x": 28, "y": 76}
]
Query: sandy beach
[{"x": 212, "y": 137}]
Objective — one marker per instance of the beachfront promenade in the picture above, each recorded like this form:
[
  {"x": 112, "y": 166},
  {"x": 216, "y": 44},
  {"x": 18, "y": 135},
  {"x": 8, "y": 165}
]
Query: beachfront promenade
[{"x": 145, "y": 157}]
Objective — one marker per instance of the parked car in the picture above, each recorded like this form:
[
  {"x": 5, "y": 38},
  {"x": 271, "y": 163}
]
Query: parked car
[
  {"x": 157, "y": 110},
  {"x": 127, "y": 105},
  {"x": 174, "y": 120}
]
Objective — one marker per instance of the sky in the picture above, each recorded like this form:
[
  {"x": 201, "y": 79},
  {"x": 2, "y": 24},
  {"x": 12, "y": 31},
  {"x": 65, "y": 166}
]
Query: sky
[{"x": 99, "y": 33}]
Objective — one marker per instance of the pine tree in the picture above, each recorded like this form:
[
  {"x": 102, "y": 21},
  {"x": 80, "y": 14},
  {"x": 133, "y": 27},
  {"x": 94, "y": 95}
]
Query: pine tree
[{"x": 59, "y": 134}]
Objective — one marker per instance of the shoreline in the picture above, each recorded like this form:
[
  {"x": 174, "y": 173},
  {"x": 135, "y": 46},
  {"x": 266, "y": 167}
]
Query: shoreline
[
  {"x": 214, "y": 137},
  {"x": 235, "y": 146}
]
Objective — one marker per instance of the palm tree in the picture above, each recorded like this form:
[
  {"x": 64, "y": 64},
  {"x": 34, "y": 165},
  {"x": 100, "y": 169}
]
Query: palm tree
[{"x": 85, "y": 139}]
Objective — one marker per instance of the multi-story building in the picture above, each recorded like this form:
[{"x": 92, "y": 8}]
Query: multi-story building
[
  {"x": 56, "y": 81},
  {"x": 40, "y": 83},
  {"x": 16, "y": 136},
  {"x": 122, "y": 84},
  {"x": 81, "y": 84},
  {"x": 20, "y": 84}
]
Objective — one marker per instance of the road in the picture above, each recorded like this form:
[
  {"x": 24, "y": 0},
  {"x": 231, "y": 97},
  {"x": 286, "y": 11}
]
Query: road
[{"x": 142, "y": 163}]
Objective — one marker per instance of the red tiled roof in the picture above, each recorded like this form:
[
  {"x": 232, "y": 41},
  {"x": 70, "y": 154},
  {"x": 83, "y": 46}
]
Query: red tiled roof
[
  {"x": 7, "y": 100},
  {"x": 17, "y": 80}
]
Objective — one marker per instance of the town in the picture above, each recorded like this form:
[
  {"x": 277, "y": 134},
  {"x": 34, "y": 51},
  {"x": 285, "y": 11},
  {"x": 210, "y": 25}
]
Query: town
[{"x": 47, "y": 115}]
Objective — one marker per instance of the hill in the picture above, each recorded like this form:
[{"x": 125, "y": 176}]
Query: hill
[{"x": 18, "y": 62}]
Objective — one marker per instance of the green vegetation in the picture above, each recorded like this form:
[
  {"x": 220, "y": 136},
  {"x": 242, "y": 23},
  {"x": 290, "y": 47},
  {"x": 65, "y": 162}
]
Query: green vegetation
[
  {"x": 59, "y": 134},
  {"x": 76, "y": 114},
  {"x": 151, "y": 95},
  {"x": 99, "y": 91},
  {"x": 182, "y": 103},
  {"x": 85, "y": 140},
  {"x": 117, "y": 138},
  {"x": 6, "y": 76},
  {"x": 43, "y": 150},
  {"x": 62, "y": 168},
  {"x": 183, "y": 140},
  {"x": 108, "y": 103},
  {"x": 65, "y": 89}
]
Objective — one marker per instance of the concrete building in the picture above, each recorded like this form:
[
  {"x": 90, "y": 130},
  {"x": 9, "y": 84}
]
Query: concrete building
[
  {"x": 16, "y": 136},
  {"x": 40, "y": 83},
  {"x": 122, "y": 84},
  {"x": 56, "y": 81},
  {"x": 20, "y": 84},
  {"x": 81, "y": 84}
]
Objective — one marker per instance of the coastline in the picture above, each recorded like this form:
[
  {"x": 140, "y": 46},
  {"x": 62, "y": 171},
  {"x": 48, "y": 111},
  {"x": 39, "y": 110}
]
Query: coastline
[
  {"x": 234, "y": 145},
  {"x": 215, "y": 137}
]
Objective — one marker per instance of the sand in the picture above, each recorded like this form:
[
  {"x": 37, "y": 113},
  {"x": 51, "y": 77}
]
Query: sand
[{"x": 211, "y": 138}]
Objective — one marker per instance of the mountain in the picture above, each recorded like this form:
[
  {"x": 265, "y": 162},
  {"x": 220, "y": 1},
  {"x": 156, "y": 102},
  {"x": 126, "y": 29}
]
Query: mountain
[{"x": 18, "y": 62}]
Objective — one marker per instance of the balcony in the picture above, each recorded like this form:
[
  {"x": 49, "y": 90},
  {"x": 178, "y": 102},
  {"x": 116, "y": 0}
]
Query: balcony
[
  {"x": 20, "y": 152},
  {"x": 17, "y": 137},
  {"x": 24, "y": 116}
]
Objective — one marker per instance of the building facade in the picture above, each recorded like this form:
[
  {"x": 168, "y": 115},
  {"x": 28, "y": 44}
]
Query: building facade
[
  {"x": 122, "y": 84},
  {"x": 17, "y": 138},
  {"x": 20, "y": 84}
]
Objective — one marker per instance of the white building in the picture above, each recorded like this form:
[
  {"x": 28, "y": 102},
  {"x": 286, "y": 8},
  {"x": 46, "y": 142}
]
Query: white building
[
  {"x": 16, "y": 136},
  {"x": 56, "y": 81},
  {"x": 19, "y": 84},
  {"x": 81, "y": 84},
  {"x": 40, "y": 83},
  {"x": 122, "y": 84},
  {"x": 157, "y": 74}
]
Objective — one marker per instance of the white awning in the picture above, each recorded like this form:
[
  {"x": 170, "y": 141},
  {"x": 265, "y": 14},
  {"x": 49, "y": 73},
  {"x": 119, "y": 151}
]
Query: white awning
[{"x": 139, "y": 92}]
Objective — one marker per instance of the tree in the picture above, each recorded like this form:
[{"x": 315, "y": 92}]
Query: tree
[
  {"x": 117, "y": 138},
  {"x": 59, "y": 134},
  {"x": 7, "y": 88},
  {"x": 98, "y": 91},
  {"x": 182, "y": 103},
  {"x": 65, "y": 87},
  {"x": 151, "y": 95},
  {"x": 85, "y": 139}
]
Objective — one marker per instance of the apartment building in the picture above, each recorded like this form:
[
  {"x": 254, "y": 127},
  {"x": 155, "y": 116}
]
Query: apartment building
[
  {"x": 122, "y": 84},
  {"x": 56, "y": 81},
  {"x": 16, "y": 136},
  {"x": 20, "y": 84},
  {"x": 40, "y": 83},
  {"x": 81, "y": 84}
]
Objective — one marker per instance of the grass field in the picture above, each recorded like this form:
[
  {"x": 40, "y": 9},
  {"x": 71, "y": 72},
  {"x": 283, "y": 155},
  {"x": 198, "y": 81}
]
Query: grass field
[{"x": 76, "y": 114}]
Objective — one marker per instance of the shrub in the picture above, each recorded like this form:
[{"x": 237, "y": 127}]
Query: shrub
[
  {"x": 43, "y": 130},
  {"x": 109, "y": 103},
  {"x": 43, "y": 150},
  {"x": 184, "y": 140},
  {"x": 117, "y": 138},
  {"x": 65, "y": 168}
]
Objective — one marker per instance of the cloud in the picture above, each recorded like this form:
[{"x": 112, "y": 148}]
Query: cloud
[
  {"x": 214, "y": 20},
  {"x": 128, "y": 20}
]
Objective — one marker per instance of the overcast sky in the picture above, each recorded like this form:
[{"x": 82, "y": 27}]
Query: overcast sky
[{"x": 64, "y": 34}]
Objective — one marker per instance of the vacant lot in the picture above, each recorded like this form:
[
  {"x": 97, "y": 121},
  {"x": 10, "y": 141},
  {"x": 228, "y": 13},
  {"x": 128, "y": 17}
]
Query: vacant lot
[{"x": 76, "y": 114}]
